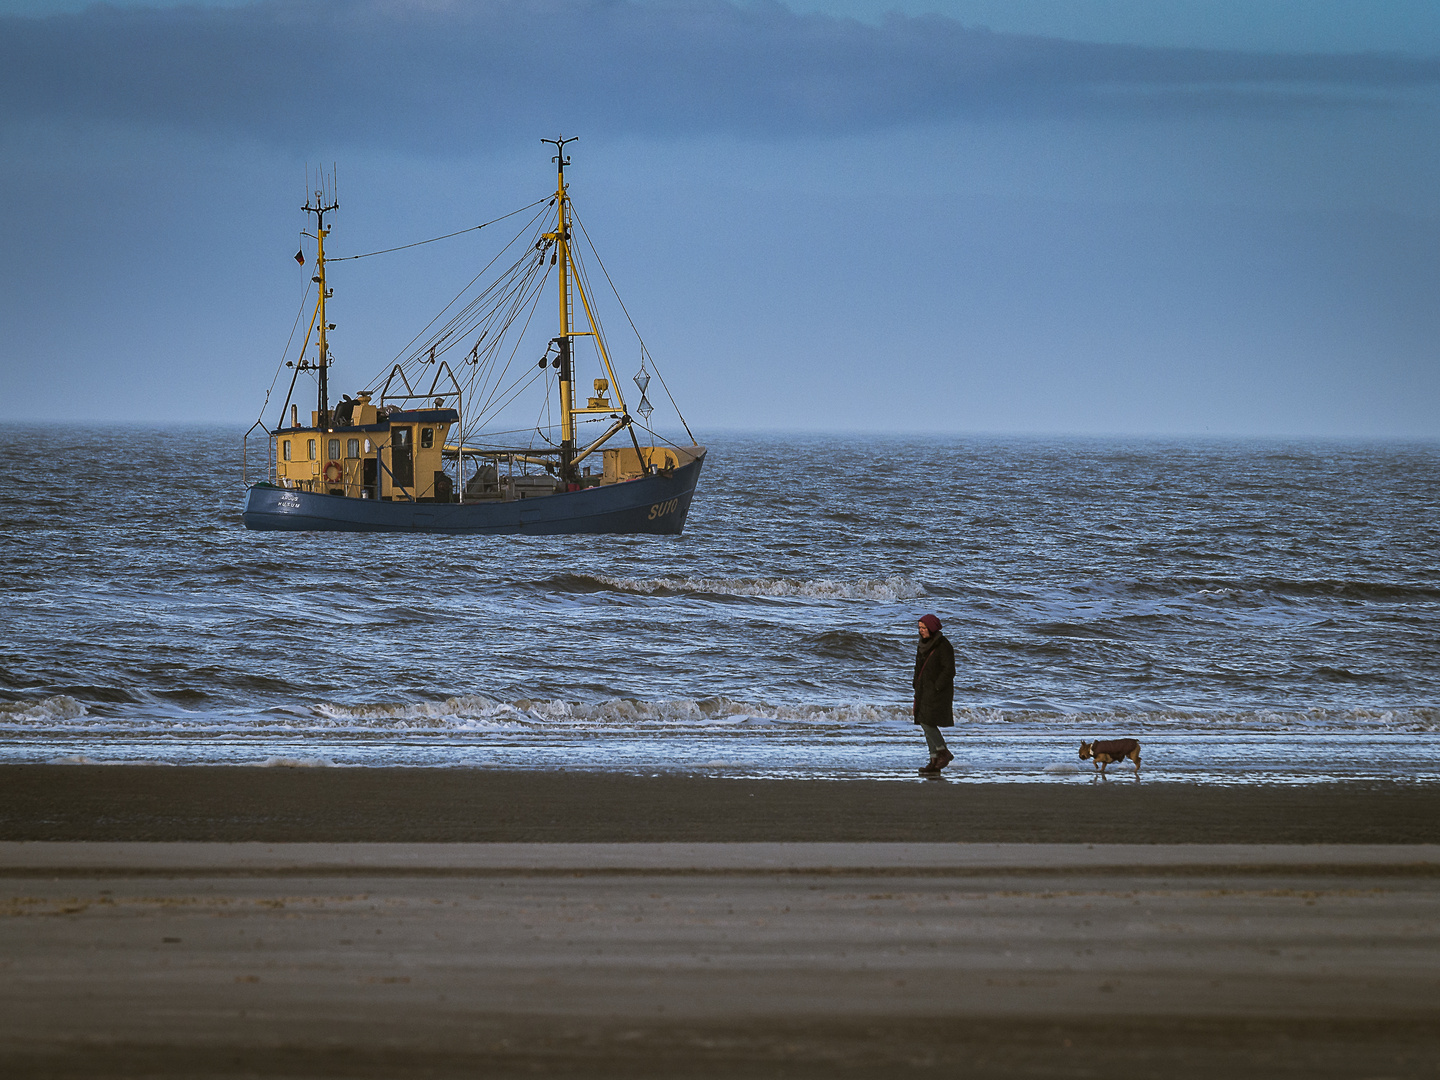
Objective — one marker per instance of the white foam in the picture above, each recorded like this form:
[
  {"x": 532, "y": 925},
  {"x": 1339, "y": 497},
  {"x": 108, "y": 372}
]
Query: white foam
[
  {"x": 894, "y": 587},
  {"x": 482, "y": 714},
  {"x": 1062, "y": 769},
  {"x": 296, "y": 763},
  {"x": 483, "y": 717},
  {"x": 420, "y": 714},
  {"x": 46, "y": 711},
  {"x": 81, "y": 759}
]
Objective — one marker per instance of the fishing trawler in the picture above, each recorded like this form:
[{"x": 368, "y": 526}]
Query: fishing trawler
[{"x": 426, "y": 447}]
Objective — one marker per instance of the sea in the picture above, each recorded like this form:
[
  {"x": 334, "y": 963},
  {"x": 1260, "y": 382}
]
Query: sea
[{"x": 1253, "y": 611}]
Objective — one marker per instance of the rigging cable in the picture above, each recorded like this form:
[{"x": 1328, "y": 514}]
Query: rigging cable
[
  {"x": 549, "y": 422},
  {"x": 281, "y": 366},
  {"x": 507, "y": 431},
  {"x": 519, "y": 338},
  {"x": 447, "y": 236},
  {"x": 514, "y": 390},
  {"x": 602, "y": 342},
  {"x": 499, "y": 318},
  {"x": 504, "y": 310},
  {"x": 471, "y": 282},
  {"x": 300, "y": 361},
  {"x": 517, "y": 299},
  {"x": 466, "y": 320},
  {"x": 662, "y": 438},
  {"x": 644, "y": 348}
]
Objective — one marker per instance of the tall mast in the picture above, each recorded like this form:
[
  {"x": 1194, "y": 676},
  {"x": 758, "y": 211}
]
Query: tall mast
[
  {"x": 561, "y": 236},
  {"x": 320, "y": 209}
]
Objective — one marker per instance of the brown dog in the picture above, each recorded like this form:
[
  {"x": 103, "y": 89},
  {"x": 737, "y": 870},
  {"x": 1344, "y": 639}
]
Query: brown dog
[{"x": 1109, "y": 751}]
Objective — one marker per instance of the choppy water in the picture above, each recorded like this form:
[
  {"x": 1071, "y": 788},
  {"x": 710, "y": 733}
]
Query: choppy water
[{"x": 1253, "y": 611}]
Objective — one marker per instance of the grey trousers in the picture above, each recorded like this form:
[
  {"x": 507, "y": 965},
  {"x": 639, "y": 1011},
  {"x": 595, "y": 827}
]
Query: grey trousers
[{"x": 933, "y": 739}]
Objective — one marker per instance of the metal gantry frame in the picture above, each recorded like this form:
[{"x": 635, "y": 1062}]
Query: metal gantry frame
[{"x": 437, "y": 395}]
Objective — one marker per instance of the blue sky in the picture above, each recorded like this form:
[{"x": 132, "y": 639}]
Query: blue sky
[{"x": 960, "y": 215}]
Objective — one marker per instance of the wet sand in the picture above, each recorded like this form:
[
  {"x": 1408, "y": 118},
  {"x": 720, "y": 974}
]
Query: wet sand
[
  {"x": 1158, "y": 930},
  {"x": 77, "y": 802},
  {"x": 722, "y": 960}
]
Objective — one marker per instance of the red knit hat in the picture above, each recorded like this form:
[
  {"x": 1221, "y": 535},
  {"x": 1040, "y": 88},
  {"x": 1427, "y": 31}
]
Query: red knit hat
[{"x": 931, "y": 623}]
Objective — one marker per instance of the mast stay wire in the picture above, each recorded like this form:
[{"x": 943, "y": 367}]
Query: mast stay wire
[
  {"x": 464, "y": 322},
  {"x": 508, "y": 431},
  {"x": 288, "y": 342},
  {"x": 525, "y": 292},
  {"x": 518, "y": 387},
  {"x": 494, "y": 311},
  {"x": 535, "y": 295},
  {"x": 603, "y": 342},
  {"x": 510, "y": 393},
  {"x": 548, "y": 416},
  {"x": 501, "y": 285},
  {"x": 514, "y": 292},
  {"x": 497, "y": 322},
  {"x": 300, "y": 360},
  {"x": 503, "y": 289},
  {"x": 651, "y": 431},
  {"x": 644, "y": 348},
  {"x": 528, "y": 227},
  {"x": 507, "y": 308},
  {"x": 433, "y": 239}
]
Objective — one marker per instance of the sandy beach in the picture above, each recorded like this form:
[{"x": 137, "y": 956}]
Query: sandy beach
[
  {"x": 79, "y": 802},
  {"x": 375, "y": 923},
  {"x": 777, "y": 959}
]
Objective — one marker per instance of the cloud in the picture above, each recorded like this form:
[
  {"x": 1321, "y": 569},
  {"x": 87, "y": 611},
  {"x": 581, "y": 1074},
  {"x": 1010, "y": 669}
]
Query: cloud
[{"x": 443, "y": 74}]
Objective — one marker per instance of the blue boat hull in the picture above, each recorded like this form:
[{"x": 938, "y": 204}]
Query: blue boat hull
[{"x": 655, "y": 504}]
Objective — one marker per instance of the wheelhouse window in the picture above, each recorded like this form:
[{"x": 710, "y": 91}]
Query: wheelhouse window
[
  {"x": 334, "y": 449},
  {"x": 427, "y": 437},
  {"x": 285, "y": 449},
  {"x": 352, "y": 448},
  {"x": 312, "y": 449}
]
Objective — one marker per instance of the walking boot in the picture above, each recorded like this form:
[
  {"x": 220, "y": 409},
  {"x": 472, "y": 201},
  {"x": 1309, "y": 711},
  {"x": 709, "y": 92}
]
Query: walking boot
[
  {"x": 942, "y": 759},
  {"x": 932, "y": 769}
]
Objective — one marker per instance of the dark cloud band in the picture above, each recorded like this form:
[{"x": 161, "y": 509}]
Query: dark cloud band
[{"x": 442, "y": 74}]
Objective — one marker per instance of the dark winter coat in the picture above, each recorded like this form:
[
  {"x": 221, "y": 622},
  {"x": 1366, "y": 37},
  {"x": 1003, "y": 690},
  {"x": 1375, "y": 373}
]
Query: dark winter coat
[{"x": 935, "y": 682}]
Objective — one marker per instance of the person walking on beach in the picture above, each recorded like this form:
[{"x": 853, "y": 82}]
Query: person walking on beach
[{"x": 934, "y": 692}]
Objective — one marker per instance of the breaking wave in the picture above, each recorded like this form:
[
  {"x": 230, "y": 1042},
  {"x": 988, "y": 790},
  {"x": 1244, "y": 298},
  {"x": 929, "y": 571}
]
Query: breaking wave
[
  {"x": 891, "y": 588},
  {"x": 731, "y": 737},
  {"x": 296, "y": 763},
  {"x": 618, "y": 714},
  {"x": 480, "y": 715},
  {"x": 84, "y": 759},
  {"x": 1293, "y": 589},
  {"x": 46, "y": 710}
]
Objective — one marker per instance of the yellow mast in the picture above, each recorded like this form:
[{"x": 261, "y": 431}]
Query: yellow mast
[
  {"x": 320, "y": 209},
  {"x": 322, "y": 352},
  {"x": 561, "y": 236},
  {"x": 569, "y": 282}
]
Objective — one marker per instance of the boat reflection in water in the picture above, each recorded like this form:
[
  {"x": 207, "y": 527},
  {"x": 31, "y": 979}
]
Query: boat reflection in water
[{"x": 427, "y": 448}]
